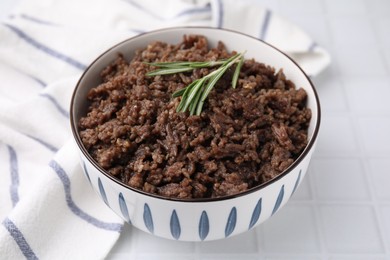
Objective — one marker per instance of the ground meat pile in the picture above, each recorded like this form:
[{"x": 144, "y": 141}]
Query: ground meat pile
[{"x": 243, "y": 137}]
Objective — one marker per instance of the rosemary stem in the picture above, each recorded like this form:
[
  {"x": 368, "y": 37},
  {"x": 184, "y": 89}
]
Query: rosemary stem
[{"x": 194, "y": 95}]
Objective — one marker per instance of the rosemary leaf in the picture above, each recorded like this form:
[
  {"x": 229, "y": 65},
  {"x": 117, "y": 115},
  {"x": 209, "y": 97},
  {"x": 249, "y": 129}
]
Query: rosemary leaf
[
  {"x": 194, "y": 95},
  {"x": 184, "y": 97},
  {"x": 237, "y": 72},
  {"x": 218, "y": 75},
  {"x": 168, "y": 71},
  {"x": 178, "y": 93},
  {"x": 183, "y": 64},
  {"x": 194, "y": 105},
  {"x": 195, "y": 89},
  {"x": 210, "y": 85}
]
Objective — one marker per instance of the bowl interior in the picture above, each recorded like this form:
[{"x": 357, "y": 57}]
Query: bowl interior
[{"x": 254, "y": 48}]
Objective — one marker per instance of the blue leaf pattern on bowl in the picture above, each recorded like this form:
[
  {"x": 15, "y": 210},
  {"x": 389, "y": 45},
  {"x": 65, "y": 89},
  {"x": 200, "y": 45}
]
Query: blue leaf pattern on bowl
[
  {"x": 296, "y": 182},
  {"x": 231, "y": 222},
  {"x": 86, "y": 172},
  {"x": 278, "y": 200},
  {"x": 123, "y": 207},
  {"x": 256, "y": 214},
  {"x": 148, "y": 220},
  {"x": 102, "y": 192},
  {"x": 175, "y": 225},
  {"x": 204, "y": 225}
]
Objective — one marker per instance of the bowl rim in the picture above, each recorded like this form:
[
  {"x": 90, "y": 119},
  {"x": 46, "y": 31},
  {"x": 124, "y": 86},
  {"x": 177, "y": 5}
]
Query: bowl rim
[{"x": 254, "y": 189}]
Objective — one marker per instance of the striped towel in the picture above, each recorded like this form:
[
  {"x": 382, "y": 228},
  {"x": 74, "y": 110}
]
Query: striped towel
[{"x": 47, "y": 209}]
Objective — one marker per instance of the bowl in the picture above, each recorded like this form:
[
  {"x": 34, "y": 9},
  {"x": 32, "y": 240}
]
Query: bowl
[{"x": 196, "y": 219}]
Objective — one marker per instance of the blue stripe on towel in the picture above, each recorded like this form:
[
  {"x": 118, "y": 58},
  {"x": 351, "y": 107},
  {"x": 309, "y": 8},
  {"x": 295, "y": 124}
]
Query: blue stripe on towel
[
  {"x": 220, "y": 14},
  {"x": 19, "y": 239},
  {"x": 265, "y": 24},
  {"x": 37, "y": 80},
  {"x": 36, "y": 20},
  {"x": 74, "y": 208},
  {"x": 14, "y": 169},
  {"x": 312, "y": 46},
  {"x": 40, "y": 82},
  {"x": 45, "y": 144},
  {"x": 56, "y": 104},
  {"x": 45, "y": 49}
]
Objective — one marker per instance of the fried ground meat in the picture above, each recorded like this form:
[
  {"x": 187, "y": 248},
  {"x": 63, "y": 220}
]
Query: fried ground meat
[{"x": 244, "y": 136}]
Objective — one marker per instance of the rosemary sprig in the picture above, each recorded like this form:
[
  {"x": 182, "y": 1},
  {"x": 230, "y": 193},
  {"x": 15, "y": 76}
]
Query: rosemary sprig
[{"x": 194, "y": 95}]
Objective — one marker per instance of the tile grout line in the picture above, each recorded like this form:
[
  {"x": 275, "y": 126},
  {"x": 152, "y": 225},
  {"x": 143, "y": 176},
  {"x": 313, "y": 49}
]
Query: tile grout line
[
  {"x": 257, "y": 242},
  {"x": 317, "y": 218},
  {"x": 136, "y": 237},
  {"x": 317, "y": 205},
  {"x": 356, "y": 154},
  {"x": 361, "y": 153},
  {"x": 375, "y": 205},
  {"x": 197, "y": 254},
  {"x": 378, "y": 40},
  {"x": 336, "y": 203},
  {"x": 259, "y": 239},
  {"x": 376, "y": 208}
]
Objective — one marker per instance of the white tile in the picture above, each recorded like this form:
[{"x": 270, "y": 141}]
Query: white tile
[
  {"x": 345, "y": 7},
  {"x": 340, "y": 179},
  {"x": 292, "y": 230},
  {"x": 385, "y": 214},
  {"x": 303, "y": 192},
  {"x": 289, "y": 257},
  {"x": 333, "y": 70},
  {"x": 366, "y": 257},
  {"x": 381, "y": 27},
  {"x": 352, "y": 30},
  {"x": 375, "y": 134},
  {"x": 331, "y": 93},
  {"x": 243, "y": 243},
  {"x": 228, "y": 256},
  {"x": 387, "y": 57},
  {"x": 378, "y": 7},
  {"x": 315, "y": 25},
  {"x": 172, "y": 256},
  {"x": 119, "y": 256},
  {"x": 368, "y": 94},
  {"x": 350, "y": 229},
  {"x": 301, "y": 6},
  {"x": 162, "y": 245},
  {"x": 360, "y": 61},
  {"x": 380, "y": 172},
  {"x": 337, "y": 136}
]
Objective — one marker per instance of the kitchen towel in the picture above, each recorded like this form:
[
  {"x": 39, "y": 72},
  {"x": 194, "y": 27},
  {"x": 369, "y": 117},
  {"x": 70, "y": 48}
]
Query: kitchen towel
[{"x": 47, "y": 209}]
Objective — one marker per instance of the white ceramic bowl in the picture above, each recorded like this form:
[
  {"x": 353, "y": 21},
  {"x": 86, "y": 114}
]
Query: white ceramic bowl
[{"x": 197, "y": 219}]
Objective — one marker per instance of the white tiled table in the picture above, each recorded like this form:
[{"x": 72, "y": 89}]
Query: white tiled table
[{"x": 342, "y": 209}]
